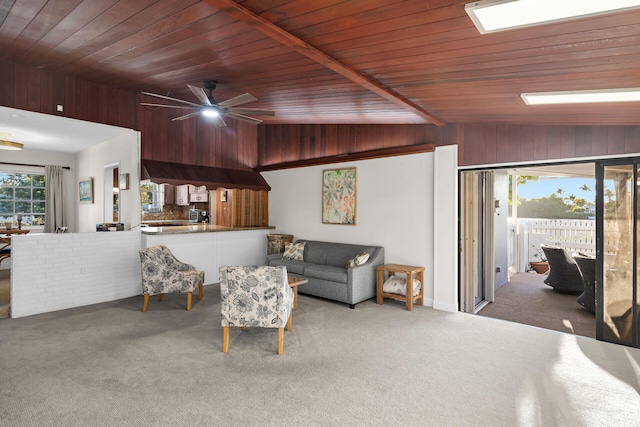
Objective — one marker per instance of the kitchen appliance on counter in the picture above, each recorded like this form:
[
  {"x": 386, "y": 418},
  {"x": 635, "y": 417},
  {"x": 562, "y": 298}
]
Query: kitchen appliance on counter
[
  {"x": 204, "y": 216},
  {"x": 194, "y": 215},
  {"x": 110, "y": 226}
]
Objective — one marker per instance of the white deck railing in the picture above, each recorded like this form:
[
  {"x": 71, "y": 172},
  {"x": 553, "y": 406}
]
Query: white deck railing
[{"x": 572, "y": 235}]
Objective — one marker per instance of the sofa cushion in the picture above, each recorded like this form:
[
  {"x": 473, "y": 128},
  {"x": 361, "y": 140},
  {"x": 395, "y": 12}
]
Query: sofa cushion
[
  {"x": 294, "y": 251},
  {"x": 295, "y": 267},
  {"x": 326, "y": 272},
  {"x": 358, "y": 260},
  {"x": 341, "y": 254}
]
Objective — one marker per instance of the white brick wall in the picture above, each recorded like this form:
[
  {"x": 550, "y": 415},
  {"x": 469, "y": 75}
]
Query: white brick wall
[
  {"x": 58, "y": 271},
  {"x": 208, "y": 251}
]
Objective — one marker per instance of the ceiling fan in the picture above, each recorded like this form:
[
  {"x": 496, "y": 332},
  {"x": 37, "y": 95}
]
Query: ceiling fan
[{"x": 213, "y": 109}]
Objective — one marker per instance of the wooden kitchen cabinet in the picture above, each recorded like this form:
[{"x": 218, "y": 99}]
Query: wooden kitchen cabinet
[{"x": 242, "y": 207}]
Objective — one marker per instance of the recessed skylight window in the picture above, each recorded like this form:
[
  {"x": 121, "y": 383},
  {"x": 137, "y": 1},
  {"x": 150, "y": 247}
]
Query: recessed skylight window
[
  {"x": 582, "y": 96},
  {"x": 499, "y": 15}
]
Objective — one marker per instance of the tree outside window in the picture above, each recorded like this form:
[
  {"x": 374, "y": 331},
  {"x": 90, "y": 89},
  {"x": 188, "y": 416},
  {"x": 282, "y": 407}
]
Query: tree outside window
[{"x": 22, "y": 193}]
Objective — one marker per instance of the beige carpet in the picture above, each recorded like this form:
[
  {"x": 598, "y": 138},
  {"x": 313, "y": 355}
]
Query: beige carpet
[
  {"x": 378, "y": 365},
  {"x": 527, "y": 300}
]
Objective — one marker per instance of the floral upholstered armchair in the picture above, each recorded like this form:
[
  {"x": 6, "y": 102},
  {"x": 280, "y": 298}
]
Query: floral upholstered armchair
[
  {"x": 255, "y": 296},
  {"x": 162, "y": 273}
]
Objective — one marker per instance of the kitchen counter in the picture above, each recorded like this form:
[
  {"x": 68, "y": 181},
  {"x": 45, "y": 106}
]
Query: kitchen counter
[{"x": 196, "y": 228}]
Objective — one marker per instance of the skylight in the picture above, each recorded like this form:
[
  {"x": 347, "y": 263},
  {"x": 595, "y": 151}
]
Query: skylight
[
  {"x": 499, "y": 15},
  {"x": 582, "y": 96}
]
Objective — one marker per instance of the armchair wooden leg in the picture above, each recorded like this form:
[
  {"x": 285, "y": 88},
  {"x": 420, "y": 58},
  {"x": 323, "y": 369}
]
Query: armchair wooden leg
[
  {"x": 146, "y": 303},
  {"x": 225, "y": 339},
  {"x": 160, "y": 297},
  {"x": 189, "y": 301},
  {"x": 290, "y": 322},
  {"x": 280, "y": 340},
  {"x": 200, "y": 292}
]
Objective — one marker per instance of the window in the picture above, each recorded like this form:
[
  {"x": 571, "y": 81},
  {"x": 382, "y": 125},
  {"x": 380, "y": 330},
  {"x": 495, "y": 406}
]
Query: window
[
  {"x": 22, "y": 193},
  {"x": 151, "y": 196}
]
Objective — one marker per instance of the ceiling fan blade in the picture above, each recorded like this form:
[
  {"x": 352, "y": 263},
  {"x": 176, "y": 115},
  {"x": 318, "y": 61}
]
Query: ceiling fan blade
[
  {"x": 218, "y": 122},
  {"x": 171, "y": 99},
  {"x": 254, "y": 111},
  {"x": 243, "y": 118},
  {"x": 168, "y": 106},
  {"x": 240, "y": 99},
  {"x": 186, "y": 116},
  {"x": 199, "y": 93}
]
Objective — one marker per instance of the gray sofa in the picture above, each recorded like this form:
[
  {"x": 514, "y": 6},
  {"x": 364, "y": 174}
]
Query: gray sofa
[{"x": 324, "y": 266}]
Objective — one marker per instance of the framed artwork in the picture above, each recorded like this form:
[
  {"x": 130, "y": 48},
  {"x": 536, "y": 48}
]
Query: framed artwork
[
  {"x": 123, "y": 181},
  {"x": 85, "y": 190},
  {"x": 339, "y": 187}
]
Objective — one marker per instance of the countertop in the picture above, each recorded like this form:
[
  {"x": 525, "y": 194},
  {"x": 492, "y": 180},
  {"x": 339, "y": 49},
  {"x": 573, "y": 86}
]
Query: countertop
[{"x": 196, "y": 228}]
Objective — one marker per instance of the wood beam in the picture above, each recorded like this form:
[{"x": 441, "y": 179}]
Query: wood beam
[
  {"x": 271, "y": 30},
  {"x": 351, "y": 157}
]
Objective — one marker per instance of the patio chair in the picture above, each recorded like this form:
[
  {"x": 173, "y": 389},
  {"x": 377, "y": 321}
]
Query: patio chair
[
  {"x": 255, "y": 296},
  {"x": 587, "y": 268},
  {"x": 564, "y": 275},
  {"x": 162, "y": 273}
]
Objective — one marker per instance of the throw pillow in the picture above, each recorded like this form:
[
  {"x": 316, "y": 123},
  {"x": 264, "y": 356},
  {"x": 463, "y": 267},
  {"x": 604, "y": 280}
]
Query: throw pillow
[
  {"x": 294, "y": 251},
  {"x": 358, "y": 260}
]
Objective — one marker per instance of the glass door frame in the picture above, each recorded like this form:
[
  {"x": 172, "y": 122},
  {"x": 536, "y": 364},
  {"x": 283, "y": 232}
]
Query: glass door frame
[{"x": 600, "y": 250}]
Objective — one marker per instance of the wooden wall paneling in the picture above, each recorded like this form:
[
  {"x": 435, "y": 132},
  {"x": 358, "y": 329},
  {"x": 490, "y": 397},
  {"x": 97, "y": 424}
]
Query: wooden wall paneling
[
  {"x": 468, "y": 144},
  {"x": 47, "y": 105},
  {"x": 615, "y": 142},
  {"x": 112, "y": 110},
  {"x": 103, "y": 104},
  {"x": 632, "y": 139},
  {"x": 33, "y": 89},
  {"x": 513, "y": 148},
  {"x": 526, "y": 142},
  {"x": 81, "y": 101},
  {"x": 487, "y": 147},
  {"x": 21, "y": 85},
  {"x": 568, "y": 141},
  {"x": 540, "y": 143},
  {"x": 122, "y": 112},
  {"x": 598, "y": 140},
  {"x": 554, "y": 148},
  {"x": 583, "y": 141},
  {"x": 7, "y": 83},
  {"x": 502, "y": 143},
  {"x": 70, "y": 96},
  {"x": 92, "y": 102}
]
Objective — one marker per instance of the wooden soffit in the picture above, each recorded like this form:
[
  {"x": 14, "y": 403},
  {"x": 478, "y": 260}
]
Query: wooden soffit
[{"x": 211, "y": 177}]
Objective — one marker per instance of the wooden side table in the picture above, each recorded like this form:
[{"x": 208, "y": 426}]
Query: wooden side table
[{"x": 409, "y": 271}]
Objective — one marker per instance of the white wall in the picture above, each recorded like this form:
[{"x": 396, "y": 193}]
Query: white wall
[
  {"x": 47, "y": 158},
  {"x": 395, "y": 209},
  {"x": 501, "y": 227},
  {"x": 125, "y": 150},
  {"x": 58, "y": 271}
]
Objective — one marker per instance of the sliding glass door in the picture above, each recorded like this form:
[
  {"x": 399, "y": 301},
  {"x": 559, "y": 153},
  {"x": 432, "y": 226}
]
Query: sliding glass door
[{"x": 618, "y": 231}]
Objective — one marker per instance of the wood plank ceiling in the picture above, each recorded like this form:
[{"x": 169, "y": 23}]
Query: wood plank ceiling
[{"x": 333, "y": 61}]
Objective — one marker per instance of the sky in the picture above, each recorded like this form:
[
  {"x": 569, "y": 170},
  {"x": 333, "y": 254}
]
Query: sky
[{"x": 546, "y": 186}]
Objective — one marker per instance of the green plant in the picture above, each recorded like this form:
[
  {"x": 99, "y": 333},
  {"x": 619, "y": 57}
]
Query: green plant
[{"x": 538, "y": 253}]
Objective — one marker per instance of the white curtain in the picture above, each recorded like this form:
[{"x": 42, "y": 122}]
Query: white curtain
[{"x": 54, "y": 200}]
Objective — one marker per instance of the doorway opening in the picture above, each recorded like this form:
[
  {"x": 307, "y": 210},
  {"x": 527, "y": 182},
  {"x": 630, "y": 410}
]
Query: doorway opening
[{"x": 506, "y": 214}]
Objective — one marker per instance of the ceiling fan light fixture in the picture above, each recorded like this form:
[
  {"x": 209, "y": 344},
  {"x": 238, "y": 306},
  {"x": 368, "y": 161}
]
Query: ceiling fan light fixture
[
  {"x": 498, "y": 15},
  {"x": 210, "y": 112},
  {"x": 10, "y": 145}
]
